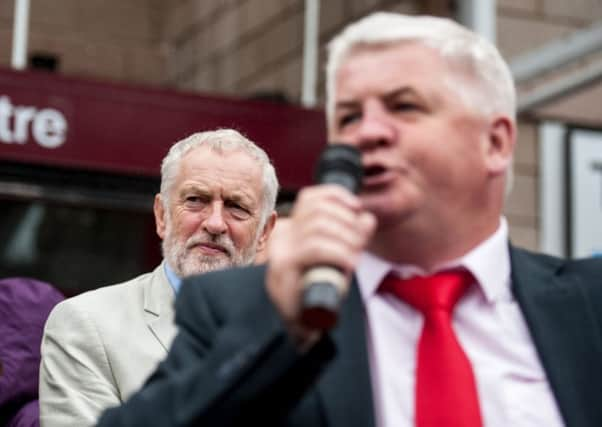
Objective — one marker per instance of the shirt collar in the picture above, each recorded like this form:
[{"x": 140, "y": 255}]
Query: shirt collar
[
  {"x": 489, "y": 263},
  {"x": 172, "y": 277}
]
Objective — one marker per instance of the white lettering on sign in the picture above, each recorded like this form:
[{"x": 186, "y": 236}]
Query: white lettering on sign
[{"x": 48, "y": 126}]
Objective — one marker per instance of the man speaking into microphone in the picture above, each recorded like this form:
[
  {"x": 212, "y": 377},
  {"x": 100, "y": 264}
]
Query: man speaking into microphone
[{"x": 440, "y": 321}]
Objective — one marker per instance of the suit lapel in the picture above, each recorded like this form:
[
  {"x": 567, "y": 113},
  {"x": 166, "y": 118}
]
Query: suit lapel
[
  {"x": 563, "y": 330},
  {"x": 159, "y": 307},
  {"x": 345, "y": 388}
]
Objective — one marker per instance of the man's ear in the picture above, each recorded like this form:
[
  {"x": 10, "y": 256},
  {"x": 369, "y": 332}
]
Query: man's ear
[
  {"x": 267, "y": 230},
  {"x": 160, "y": 213},
  {"x": 501, "y": 140}
]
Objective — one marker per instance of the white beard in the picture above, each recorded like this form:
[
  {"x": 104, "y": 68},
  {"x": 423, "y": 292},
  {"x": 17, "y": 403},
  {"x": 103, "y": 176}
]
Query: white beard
[{"x": 181, "y": 258}]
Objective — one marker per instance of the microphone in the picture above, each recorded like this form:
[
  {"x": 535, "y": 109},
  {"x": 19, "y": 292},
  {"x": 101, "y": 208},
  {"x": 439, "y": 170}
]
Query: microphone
[{"x": 325, "y": 286}]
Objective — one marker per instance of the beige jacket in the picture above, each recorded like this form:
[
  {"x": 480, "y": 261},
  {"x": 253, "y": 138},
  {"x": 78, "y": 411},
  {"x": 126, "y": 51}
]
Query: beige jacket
[{"x": 99, "y": 347}]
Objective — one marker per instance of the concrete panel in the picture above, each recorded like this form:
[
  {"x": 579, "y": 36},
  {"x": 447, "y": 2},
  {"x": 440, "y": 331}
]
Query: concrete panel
[
  {"x": 253, "y": 16},
  {"x": 517, "y": 35},
  {"x": 6, "y": 43},
  {"x": 226, "y": 30},
  {"x": 292, "y": 72},
  {"x": 295, "y": 3},
  {"x": 145, "y": 66},
  {"x": 206, "y": 80},
  {"x": 332, "y": 16},
  {"x": 583, "y": 107},
  {"x": 284, "y": 37},
  {"x": 184, "y": 59},
  {"x": 268, "y": 81},
  {"x": 186, "y": 15},
  {"x": 256, "y": 13},
  {"x": 525, "y": 153},
  {"x": 176, "y": 19},
  {"x": 252, "y": 57},
  {"x": 6, "y": 12},
  {"x": 227, "y": 73},
  {"x": 87, "y": 59},
  {"x": 358, "y": 8},
  {"x": 114, "y": 20},
  {"x": 586, "y": 10},
  {"x": 530, "y": 6},
  {"x": 47, "y": 13},
  {"x": 522, "y": 201},
  {"x": 525, "y": 237},
  {"x": 406, "y": 7},
  {"x": 188, "y": 85}
]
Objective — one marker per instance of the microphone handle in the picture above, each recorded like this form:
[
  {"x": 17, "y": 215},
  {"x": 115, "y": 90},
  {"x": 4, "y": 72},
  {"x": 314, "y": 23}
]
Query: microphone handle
[{"x": 324, "y": 288}]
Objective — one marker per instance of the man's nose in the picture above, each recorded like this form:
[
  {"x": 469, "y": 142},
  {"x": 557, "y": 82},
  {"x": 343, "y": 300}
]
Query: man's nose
[
  {"x": 215, "y": 223},
  {"x": 375, "y": 129}
]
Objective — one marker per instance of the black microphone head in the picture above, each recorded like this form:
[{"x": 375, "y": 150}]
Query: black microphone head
[{"x": 340, "y": 164}]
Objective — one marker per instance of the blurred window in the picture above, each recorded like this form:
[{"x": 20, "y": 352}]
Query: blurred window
[{"x": 75, "y": 248}]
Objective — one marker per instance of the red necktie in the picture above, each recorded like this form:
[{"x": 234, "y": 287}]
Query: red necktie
[{"x": 446, "y": 393}]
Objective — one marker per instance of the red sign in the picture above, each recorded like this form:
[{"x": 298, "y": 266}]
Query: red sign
[{"x": 57, "y": 121}]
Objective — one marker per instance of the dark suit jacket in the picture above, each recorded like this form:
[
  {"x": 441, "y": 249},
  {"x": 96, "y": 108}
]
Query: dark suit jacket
[{"x": 233, "y": 364}]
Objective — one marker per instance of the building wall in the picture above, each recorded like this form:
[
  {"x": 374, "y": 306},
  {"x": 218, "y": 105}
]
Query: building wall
[
  {"x": 109, "y": 40},
  {"x": 248, "y": 47},
  {"x": 245, "y": 47},
  {"x": 524, "y": 25}
]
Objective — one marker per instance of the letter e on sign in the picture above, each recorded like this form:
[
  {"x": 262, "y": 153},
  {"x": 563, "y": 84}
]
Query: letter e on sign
[{"x": 49, "y": 128}]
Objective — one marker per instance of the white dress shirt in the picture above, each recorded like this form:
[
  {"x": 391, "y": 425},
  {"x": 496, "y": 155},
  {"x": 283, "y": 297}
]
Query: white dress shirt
[{"x": 512, "y": 385}]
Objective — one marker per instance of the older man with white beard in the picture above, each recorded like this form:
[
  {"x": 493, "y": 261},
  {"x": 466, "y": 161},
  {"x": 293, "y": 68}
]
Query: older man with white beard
[{"x": 215, "y": 209}]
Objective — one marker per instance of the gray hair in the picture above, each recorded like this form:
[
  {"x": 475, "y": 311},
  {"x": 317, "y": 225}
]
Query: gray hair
[
  {"x": 220, "y": 140},
  {"x": 493, "y": 88}
]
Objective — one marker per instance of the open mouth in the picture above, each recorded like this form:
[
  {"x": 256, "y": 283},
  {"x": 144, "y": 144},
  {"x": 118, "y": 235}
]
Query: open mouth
[
  {"x": 375, "y": 170},
  {"x": 376, "y": 176}
]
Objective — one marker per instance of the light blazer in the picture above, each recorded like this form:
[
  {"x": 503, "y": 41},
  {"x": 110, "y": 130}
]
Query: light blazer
[
  {"x": 99, "y": 347},
  {"x": 232, "y": 363}
]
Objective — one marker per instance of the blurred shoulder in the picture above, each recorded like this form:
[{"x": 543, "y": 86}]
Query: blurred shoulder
[
  {"x": 586, "y": 271},
  {"x": 238, "y": 281},
  {"x": 223, "y": 291},
  {"x": 106, "y": 297},
  {"x": 588, "y": 265}
]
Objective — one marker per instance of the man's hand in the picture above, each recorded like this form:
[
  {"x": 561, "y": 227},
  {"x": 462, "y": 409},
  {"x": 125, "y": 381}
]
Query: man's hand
[{"x": 328, "y": 226}]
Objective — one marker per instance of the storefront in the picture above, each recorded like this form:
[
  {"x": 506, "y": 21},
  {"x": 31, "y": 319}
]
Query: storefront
[{"x": 79, "y": 165}]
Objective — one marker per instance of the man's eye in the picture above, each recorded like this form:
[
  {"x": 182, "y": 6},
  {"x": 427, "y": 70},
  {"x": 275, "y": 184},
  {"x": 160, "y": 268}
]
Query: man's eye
[
  {"x": 405, "y": 106},
  {"x": 194, "y": 200},
  {"x": 347, "y": 119},
  {"x": 238, "y": 211}
]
